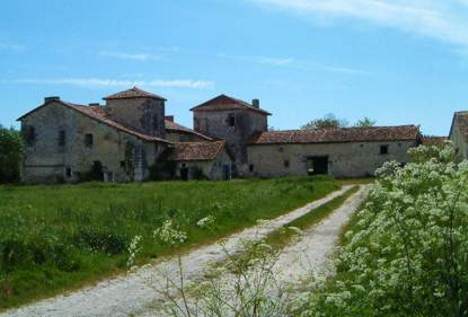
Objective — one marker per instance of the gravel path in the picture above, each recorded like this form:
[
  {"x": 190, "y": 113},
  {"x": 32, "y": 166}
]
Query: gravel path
[
  {"x": 125, "y": 295},
  {"x": 310, "y": 254}
]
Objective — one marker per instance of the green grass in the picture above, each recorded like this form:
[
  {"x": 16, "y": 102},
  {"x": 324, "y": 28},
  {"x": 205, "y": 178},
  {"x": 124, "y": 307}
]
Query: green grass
[
  {"x": 280, "y": 238},
  {"x": 56, "y": 238}
]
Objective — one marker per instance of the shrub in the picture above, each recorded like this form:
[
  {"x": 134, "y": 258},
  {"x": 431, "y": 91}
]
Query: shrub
[
  {"x": 11, "y": 150},
  {"x": 406, "y": 253}
]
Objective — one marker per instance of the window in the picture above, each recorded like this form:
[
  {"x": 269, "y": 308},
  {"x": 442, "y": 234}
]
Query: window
[
  {"x": 383, "y": 149},
  {"x": 30, "y": 135},
  {"x": 68, "y": 172},
  {"x": 281, "y": 149},
  {"x": 251, "y": 168},
  {"x": 286, "y": 163},
  {"x": 123, "y": 164},
  {"x": 62, "y": 138},
  {"x": 89, "y": 140},
  {"x": 231, "y": 120}
]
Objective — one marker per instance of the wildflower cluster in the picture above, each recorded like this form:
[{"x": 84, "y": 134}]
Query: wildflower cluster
[
  {"x": 170, "y": 234},
  {"x": 206, "y": 222},
  {"x": 133, "y": 250},
  {"x": 407, "y": 253}
]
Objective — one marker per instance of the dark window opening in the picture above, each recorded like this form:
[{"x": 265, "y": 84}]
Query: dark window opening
[
  {"x": 317, "y": 165},
  {"x": 122, "y": 164},
  {"x": 281, "y": 149},
  {"x": 62, "y": 138},
  {"x": 383, "y": 149},
  {"x": 251, "y": 168},
  {"x": 231, "y": 120},
  {"x": 361, "y": 145},
  {"x": 30, "y": 135},
  {"x": 89, "y": 140},
  {"x": 286, "y": 163},
  {"x": 68, "y": 172}
]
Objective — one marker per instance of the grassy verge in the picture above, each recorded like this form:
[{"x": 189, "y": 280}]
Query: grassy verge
[
  {"x": 55, "y": 238},
  {"x": 280, "y": 238}
]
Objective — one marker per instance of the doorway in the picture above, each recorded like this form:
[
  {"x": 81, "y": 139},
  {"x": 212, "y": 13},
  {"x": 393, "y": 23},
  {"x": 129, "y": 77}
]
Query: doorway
[{"x": 317, "y": 165}]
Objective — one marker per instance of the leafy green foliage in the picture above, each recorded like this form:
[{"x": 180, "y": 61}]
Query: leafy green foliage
[
  {"x": 365, "y": 123},
  {"x": 329, "y": 121},
  {"x": 406, "y": 252},
  {"x": 11, "y": 149},
  {"x": 86, "y": 232}
]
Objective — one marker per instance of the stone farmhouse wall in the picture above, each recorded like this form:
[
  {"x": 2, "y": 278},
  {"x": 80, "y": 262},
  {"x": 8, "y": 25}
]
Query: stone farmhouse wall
[
  {"x": 354, "y": 159},
  {"x": 213, "y": 169},
  {"x": 145, "y": 115},
  {"x": 458, "y": 135},
  {"x": 218, "y": 124},
  {"x": 123, "y": 156}
]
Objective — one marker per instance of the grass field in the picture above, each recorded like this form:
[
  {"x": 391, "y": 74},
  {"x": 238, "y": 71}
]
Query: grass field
[{"x": 54, "y": 238}]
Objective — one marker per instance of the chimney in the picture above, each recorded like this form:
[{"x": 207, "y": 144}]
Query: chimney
[
  {"x": 52, "y": 98},
  {"x": 170, "y": 118},
  {"x": 256, "y": 103},
  {"x": 94, "y": 104}
]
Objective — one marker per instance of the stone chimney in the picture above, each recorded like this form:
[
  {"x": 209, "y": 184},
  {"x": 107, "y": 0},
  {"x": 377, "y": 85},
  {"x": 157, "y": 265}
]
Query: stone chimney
[
  {"x": 256, "y": 103},
  {"x": 169, "y": 118},
  {"x": 52, "y": 98}
]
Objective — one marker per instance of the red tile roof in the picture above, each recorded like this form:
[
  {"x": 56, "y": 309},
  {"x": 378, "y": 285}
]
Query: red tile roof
[
  {"x": 223, "y": 102},
  {"x": 196, "y": 151},
  {"x": 434, "y": 140},
  {"x": 395, "y": 133},
  {"x": 172, "y": 126},
  {"x": 134, "y": 92}
]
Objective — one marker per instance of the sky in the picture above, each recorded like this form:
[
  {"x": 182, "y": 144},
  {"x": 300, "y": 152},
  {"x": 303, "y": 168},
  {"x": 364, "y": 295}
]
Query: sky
[{"x": 397, "y": 62}]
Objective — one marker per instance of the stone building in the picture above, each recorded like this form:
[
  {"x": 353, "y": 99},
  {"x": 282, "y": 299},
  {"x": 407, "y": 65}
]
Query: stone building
[
  {"x": 459, "y": 134},
  {"x": 119, "y": 141},
  {"x": 345, "y": 152},
  {"x": 234, "y": 121},
  {"x": 131, "y": 138}
]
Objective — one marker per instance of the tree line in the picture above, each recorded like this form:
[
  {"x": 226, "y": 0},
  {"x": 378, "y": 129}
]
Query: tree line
[{"x": 11, "y": 152}]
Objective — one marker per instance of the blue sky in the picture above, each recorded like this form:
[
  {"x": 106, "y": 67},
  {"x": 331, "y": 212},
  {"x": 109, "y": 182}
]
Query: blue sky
[{"x": 395, "y": 61}]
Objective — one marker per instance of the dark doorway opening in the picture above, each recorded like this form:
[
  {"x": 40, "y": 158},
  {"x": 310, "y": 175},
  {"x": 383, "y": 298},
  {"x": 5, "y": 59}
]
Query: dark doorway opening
[
  {"x": 184, "y": 173},
  {"x": 226, "y": 172},
  {"x": 317, "y": 165}
]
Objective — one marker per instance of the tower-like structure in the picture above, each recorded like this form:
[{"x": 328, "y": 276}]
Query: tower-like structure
[
  {"x": 138, "y": 110},
  {"x": 234, "y": 121}
]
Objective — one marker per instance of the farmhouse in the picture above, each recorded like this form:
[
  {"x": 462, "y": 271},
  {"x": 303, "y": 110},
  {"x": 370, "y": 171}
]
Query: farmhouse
[
  {"x": 130, "y": 138},
  {"x": 459, "y": 134}
]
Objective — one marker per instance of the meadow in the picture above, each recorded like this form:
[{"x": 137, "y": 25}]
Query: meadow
[{"x": 56, "y": 238}]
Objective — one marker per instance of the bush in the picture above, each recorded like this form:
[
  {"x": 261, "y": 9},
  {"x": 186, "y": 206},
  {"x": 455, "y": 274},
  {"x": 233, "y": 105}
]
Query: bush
[
  {"x": 406, "y": 251},
  {"x": 11, "y": 150}
]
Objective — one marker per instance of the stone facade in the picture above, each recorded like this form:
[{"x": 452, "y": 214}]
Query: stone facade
[
  {"x": 124, "y": 139},
  {"x": 351, "y": 159},
  {"x": 231, "y": 120},
  {"x": 66, "y": 144},
  {"x": 145, "y": 115},
  {"x": 459, "y": 134}
]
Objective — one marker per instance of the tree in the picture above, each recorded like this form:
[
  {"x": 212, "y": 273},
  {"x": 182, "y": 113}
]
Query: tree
[
  {"x": 365, "y": 123},
  {"x": 11, "y": 151},
  {"x": 329, "y": 121}
]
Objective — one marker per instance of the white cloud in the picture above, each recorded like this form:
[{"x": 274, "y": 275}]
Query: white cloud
[
  {"x": 273, "y": 61},
  {"x": 445, "y": 20},
  {"x": 99, "y": 82},
  {"x": 130, "y": 56}
]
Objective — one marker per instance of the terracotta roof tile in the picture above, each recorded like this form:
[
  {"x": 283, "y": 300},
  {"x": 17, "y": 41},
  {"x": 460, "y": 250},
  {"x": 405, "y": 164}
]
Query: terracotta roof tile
[
  {"x": 196, "y": 151},
  {"x": 400, "y": 133},
  {"x": 223, "y": 102},
  {"x": 434, "y": 140},
  {"x": 172, "y": 126},
  {"x": 134, "y": 92}
]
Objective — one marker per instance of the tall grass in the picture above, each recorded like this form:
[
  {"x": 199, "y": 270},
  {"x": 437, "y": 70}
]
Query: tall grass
[{"x": 58, "y": 237}]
